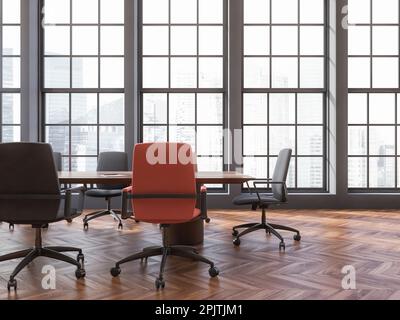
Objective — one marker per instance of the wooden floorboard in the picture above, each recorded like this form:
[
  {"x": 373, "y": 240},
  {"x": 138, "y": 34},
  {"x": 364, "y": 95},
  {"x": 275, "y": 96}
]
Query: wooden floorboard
[{"x": 368, "y": 240}]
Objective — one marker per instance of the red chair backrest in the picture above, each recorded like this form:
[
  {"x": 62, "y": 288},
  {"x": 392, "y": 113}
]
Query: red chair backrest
[{"x": 163, "y": 169}]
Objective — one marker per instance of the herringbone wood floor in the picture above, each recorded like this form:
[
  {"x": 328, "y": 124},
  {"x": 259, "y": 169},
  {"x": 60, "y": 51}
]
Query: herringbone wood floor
[{"x": 368, "y": 240}]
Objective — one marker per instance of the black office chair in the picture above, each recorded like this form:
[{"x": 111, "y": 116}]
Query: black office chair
[
  {"x": 264, "y": 201},
  {"x": 58, "y": 162},
  {"x": 30, "y": 195},
  {"x": 108, "y": 161}
]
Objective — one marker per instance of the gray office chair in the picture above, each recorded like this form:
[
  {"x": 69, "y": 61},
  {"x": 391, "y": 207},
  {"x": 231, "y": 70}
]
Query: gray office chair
[
  {"x": 108, "y": 161},
  {"x": 30, "y": 195},
  {"x": 58, "y": 162},
  {"x": 263, "y": 201}
]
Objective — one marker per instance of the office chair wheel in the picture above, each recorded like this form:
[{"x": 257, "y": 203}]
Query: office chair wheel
[
  {"x": 160, "y": 284},
  {"x": 69, "y": 220},
  {"x": 80, "y": 258},
  {"x": 12, "y": 284},
  {"x": 11, "y": 227},
  {"x": 236, "y": 242},
  {"x": 282, "y": 246},
  {"x": 235, "y": 233},
  {"x": 80, "y": 273},
  {"x": 208, "y": 220},
  {"x": 297, "y": 237},
  {"x": 120, "y": 226},
  {"x": 214, "y": 272},
  {"x": 268, "y": 232},
  {"x": 115, "y": 272},
  {"x": 86, "y": 226},
  {"x": 46, "y": 226}
]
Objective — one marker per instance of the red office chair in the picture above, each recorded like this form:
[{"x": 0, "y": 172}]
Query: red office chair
[{"x": 165, "y": 194}]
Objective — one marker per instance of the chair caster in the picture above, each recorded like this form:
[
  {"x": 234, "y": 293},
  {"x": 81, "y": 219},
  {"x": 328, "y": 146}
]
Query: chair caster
[
  {"x": 115, "y": 272},
  {"x": 160, "y": 284},
  {"x": 282, "y": 246},
  {"x": 137, "y": 221},
  {"x": 208, "y": 220},
  {"x": 297, "y": 237},
  {"x": 235, "y": 233},
  {"x": 120, "y": 226},
  {"x": 69, "y": 220},
  {"x": 46, "y": 226},
  {"x": 86, "y": 226},
  {"x": 213, "y": 272},
  {"x": 268, "y": 232},
  {"x": 80, "y": 273},
  {"x": 236, "y": 242},
  {"x": 80, "y": 258},
  {"x": 11, "y": 227},
  {"x": 12, "y": 284}
]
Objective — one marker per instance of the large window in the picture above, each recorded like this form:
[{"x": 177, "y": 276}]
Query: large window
[
  {"x": 284, "y": 89},
  {"x": 10, "y": 65},
  {"x": 183, "y": 75},
  {"x": 83, "y": 79},
  {"x": 374, "y": 99}
]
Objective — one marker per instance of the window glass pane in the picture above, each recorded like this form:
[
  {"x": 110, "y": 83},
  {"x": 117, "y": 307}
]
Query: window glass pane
[
  {"x": 310, "y": 140},
  {"x": 84, "y": 108},
  {"x": 312, "y": 73},
  {"x": 84, "y": 140},
  {"x": 155, "y": 11},
  {"x": 58, "y": 137},
  {"x": 359, "y": 11},
  {"x": 310, "y": 108},
  {"x": 182, "y": 108},
  {"x": 255, "y": 108},
  {"x": 155, "y": 40},
  {"x": 359, "y": 73},
  {"x": 11, "y": 108},
  {"x": 112, "y": 40},
  {"x": 256, "y": 40},
  {"x": 85, "y": 11},
  {"x": 56, "y": 11},
  {"x": 357, "y": 105},
  {"x": 256, "y": 167},
  {"x": 255, "y": 140},
  {"x": 284, "y": 73},
  {"x": 154, "y": 134},
  {"x": 311, "y": 40},
  {"x": 311, "y": 11},
  {"x": 183, "y": 134},
  {"x": 282, "y": 108},
  {"x": 56, "y": 40},
  {"x": 57, "y": 73},
  {"x": 382, "y": 140},
  {"x": 11, "y": 72},
  {"x": 112, "y": 139},
  {"x": 209, "y": 141},
  {"x": 382, "y": 108},
  {"x": 12, "y": 11},
  {"x": 11, "y": 40},
  {"x": 57, "y": 108},
  {"x": 211, "y": 73},
  {"x": 11, "y": 134},
  {"x": 210, "y": 108},
  {"x": 385, "y": 11},
  {"x": 155, "y": 108},
  {"x": 83, "y": 164},
  {"x": 359, "y": 40},
  {"x": 357, "y": 172},
  {"x": 85, "y": 73},
  {"x": 310, "y": 172},
  {"x": 281, "y": 137},
  {"x": 284, "y": 40},
  {"x": 256, "y": 11},
  {"x": 256, "y": 72},
  {"x": 112, "y": 108},
  {"x": 112, "y": 73},
  {"x": 183, "y": 40},
  {"x": 385, "y": 40},
  {"x": 85, "y": 41},
  {"x": 210, "y": 164},
  {"x": 183, "y": 11},
  {"x": 358, "y": 142},
  {"x": 158, "y": 66},
  {"x": 385, "y": 73},
  {"x": 284, "y": 11},
  {"x": 210, "y": 41},
  {"x": 211, "y": 11},
  {"x": 183, "y": 73},
  {"x": 382, "y": 172},
  {"x": 112, "y": 11}
]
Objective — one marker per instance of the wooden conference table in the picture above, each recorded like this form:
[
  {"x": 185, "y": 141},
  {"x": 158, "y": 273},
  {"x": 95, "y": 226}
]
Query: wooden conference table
[{"x": 191, "y": 233}]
